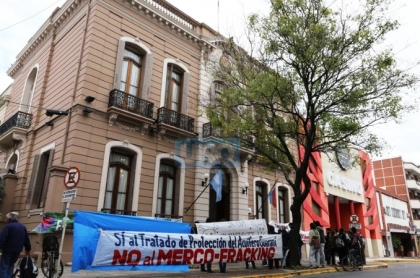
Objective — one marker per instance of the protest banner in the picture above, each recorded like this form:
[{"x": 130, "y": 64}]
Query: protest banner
[
  {"x": 87, "y": 226},
  {"x": 52, "y": 222},
  {"x": 130, "y": 248},
  {"x": 304, "y": 234},
  {"x": 241, "y": 227}
]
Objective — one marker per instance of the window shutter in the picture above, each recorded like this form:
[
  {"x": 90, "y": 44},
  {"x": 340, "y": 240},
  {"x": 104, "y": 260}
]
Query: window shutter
[
  {"x": 118, "y": 64},
  {"x": 46, "y": 179},
  {"x": 168, "y": 85},
  {"x": 39, "y": 182},
  {"x": 32, "y": 180},
  {"x": 147, "y": 77},
  {"x": 185, "y": 86}
]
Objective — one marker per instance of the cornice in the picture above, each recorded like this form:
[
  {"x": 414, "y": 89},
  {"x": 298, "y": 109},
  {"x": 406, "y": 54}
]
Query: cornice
[
  {"x": 50, "y": 27},
  {"x": 166, "y": 16}
]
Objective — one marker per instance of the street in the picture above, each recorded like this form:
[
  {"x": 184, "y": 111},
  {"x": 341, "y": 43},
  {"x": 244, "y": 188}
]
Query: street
[{"x": 393, "y": 270}]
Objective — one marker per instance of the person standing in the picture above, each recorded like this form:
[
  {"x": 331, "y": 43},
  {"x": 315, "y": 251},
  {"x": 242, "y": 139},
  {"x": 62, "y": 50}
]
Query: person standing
[
  {"x": 322, "y": 240},
  {"x": 203, "y": 266},
  {"x": 222, "y": 265},
  {"x": 313, "y": 252},
  {"x": 274, "y": 261},
  {"x": 285, "y": 237},
  {"x": 13, "y": 238}
]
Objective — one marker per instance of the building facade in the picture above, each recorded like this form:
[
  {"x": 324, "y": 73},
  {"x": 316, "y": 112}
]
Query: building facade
[{"x": 112, "y": 88}]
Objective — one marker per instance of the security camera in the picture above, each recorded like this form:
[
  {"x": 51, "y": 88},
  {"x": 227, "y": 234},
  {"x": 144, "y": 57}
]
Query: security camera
[{"x": 49, "y": 112}]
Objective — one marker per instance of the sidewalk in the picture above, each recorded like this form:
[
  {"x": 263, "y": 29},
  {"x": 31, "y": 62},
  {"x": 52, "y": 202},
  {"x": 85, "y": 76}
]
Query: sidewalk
[{"x": 238, "y": 270}]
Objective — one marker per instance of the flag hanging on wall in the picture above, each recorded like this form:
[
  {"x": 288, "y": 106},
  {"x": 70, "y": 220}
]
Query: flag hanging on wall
[
  {"x": 272, "y": 197},
  {"x": 216, "y": 183}
]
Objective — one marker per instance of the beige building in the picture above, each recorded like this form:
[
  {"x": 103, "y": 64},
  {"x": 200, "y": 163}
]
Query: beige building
[{"x": 112, "y": 88}]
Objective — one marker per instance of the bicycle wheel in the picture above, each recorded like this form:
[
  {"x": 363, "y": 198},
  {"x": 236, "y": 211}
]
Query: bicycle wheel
[
  {"x": 45, "y": 267},
  {"x": 349, "y": 263}
]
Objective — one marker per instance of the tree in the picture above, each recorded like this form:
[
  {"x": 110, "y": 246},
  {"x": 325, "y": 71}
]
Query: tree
[{"x": 312, "y": 80}]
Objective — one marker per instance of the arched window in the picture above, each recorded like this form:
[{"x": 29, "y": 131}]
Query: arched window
[
  {"x": 119, "y": 191},
  {"x": 133, "y": 70},
  {"x": 166, "y": 189},
  {"x": 25, "y": 104}
]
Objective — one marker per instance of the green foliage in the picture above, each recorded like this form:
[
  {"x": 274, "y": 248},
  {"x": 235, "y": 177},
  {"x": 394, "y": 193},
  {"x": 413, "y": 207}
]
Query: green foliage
[{"x": 396, "y": 243}]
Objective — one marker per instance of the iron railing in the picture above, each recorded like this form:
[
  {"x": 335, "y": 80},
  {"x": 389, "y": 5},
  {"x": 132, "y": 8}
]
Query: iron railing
[
  {"x": 171, "y": 217},
  {"x": 173, "y": 118},
  {"x": 119, "y": 211},
  {"x": 211, "y": 131},
  {"x": 20, "y": 119},
  {"x": 130, "y": 103}
]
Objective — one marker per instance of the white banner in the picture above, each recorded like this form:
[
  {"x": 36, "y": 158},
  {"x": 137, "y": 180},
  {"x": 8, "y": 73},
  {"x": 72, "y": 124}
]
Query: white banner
[
  {"x": 241, "y": 227},
  {"x": 138, "y": 248},
  {"x": 303, "y": 234}
]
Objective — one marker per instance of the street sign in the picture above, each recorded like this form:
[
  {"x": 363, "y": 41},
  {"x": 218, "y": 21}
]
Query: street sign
[
  {"x": 72, "y": 177},
  {"x": 354, "y": 218},
  {"x": 356, "y": 225},
  {"x": 69, "y": 195}
]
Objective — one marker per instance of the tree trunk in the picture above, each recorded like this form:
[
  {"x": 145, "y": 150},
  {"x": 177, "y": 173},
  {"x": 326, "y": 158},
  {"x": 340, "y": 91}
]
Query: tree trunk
[{"x": 295, "y": 232}]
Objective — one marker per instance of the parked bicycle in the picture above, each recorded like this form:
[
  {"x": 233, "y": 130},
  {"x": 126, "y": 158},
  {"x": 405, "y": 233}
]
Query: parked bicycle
[
  {"x": 352, "y": 261},
  {"x": 50, "y": 250}
]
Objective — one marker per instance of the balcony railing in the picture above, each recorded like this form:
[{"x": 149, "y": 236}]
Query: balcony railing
[
  {"x": 170, "y": 217},
  {"x": 130, "y": 103},
  {"x": 20, "y": 119},
  {"x": 173, "y": 118},
  {"x": 119, "y": 211},
  {"x": 210, "y": 131}
]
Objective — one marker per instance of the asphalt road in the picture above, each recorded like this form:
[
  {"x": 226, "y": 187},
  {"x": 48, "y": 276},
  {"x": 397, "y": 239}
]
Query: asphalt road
[{"x": 394, "y": 270}]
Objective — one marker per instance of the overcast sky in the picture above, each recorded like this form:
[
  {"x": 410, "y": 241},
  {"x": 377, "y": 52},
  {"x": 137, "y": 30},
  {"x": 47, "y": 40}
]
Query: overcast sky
[{"x": 20, "y": 19}]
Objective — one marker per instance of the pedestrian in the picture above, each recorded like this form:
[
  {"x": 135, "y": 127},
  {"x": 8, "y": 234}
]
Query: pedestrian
[
  {"x": 247, "y": 264},
  {"x": 222, "y": 265},
  {"x": 330, "y": 240},
  {"x": 402, "y": 250},
  {"x": 355, "y": 245},
  {"x": 342, "y": 241},
  {"x": 203, "y": 266},
  {"x": 275, "y": 261},
  {"x": 322, "y": 239},
  {"x": 362, "y": 249},
  {"x": 285, "y": 238},
  {"x": 313, "y": 251},
  {"x": 13, "y": 238}
]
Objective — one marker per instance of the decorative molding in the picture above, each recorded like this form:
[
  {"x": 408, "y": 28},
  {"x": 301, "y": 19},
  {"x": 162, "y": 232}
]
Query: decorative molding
[
  {"x": 161, "y": 133},
  {"x": 112, "y": 118}
]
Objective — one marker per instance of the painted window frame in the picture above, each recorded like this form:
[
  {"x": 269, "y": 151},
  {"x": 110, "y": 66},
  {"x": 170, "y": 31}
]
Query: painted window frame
[{"x": 147, "y": 64}]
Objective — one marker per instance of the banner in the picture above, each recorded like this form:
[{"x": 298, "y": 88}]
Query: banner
[
  {"x": 303, "y": 234},
  {"x": 241, "y": 227},
  {"x": 129, "y": 248},
  {"x": 87, "y": 226},
  {"x": 52, "y": 222}
]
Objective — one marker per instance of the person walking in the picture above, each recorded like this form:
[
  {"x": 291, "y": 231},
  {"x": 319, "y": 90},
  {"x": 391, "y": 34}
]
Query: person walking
[
  {"x": 322, "y": 239},
  {"x": 313, "y": 251},
  {"x": 13, "y": 238}
]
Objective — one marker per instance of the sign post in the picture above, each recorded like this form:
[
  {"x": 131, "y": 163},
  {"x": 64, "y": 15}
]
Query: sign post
[{"x": 71, "y": 179}]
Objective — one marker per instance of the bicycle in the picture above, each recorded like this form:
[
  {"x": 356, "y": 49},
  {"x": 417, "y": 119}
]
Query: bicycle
[
  {"x": 50, "y": 250},
  {"x": 352, "y": 261}
]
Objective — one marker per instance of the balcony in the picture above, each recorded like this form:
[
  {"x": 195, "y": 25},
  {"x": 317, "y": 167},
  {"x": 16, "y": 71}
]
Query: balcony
[
  {"x": 169, "y": 217},
  {"x": 131, "y": 109},
  {"x": 413, "y": 184},
  {"x": 119, "y": 211},
  {"x": 15, "y": 128},
  {"x": 210, "y": 131},
  {"x": 174, "y": 122}
]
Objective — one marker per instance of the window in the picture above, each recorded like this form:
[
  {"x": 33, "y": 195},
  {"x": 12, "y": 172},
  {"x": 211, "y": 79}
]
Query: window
[
  {"x": 261, "y": 195},
  {"x": 316, "y": 208},
  {"x": 174, "y": 88},
  {"x": 174, "y": 91},
  {"x": 118, "y": 190},
  {"x": 133, "y": 70},
  {"x": 316, "y": 186},
  {"x": 282, "y": 206},
  {"x": 28, "y": 90},
  {"x": 38, "y": 184},
  {"x": 166, "y": 189},
  {"x": 367, "y": 202}
]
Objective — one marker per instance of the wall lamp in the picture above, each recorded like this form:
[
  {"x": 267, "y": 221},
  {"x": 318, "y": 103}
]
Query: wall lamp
[
  {"x": 89, "y": 99},
  {"x": 50, "y": 123},
  {"x": 245, "y": 189},
  {"x": 205, "y": 179}
]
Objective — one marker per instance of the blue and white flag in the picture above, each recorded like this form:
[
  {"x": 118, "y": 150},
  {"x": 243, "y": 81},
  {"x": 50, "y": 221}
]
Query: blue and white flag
[{"x": 216, "y": 183}]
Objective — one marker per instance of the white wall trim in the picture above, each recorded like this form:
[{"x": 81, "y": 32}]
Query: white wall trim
[
  {"x": 181, "y": 168},
  {"x": 137, "y": 42},
  {"x": 137, "y": 172},
  {"x": 289, "y": 200},
  {"x": 36, "y": 66},
  {"x": 17, "y": 160}
]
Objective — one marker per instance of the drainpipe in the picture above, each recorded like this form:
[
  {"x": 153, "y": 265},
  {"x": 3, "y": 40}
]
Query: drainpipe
[{"x": 76, "y": 81}]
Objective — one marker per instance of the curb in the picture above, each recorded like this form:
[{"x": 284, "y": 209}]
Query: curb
[
  {"x": 397, "y": 261},
  {"x": 312, "y": 272}
]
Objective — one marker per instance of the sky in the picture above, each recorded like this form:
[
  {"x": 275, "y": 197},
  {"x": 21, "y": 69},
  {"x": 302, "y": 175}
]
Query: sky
[{"x": 20, "y": 19}]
